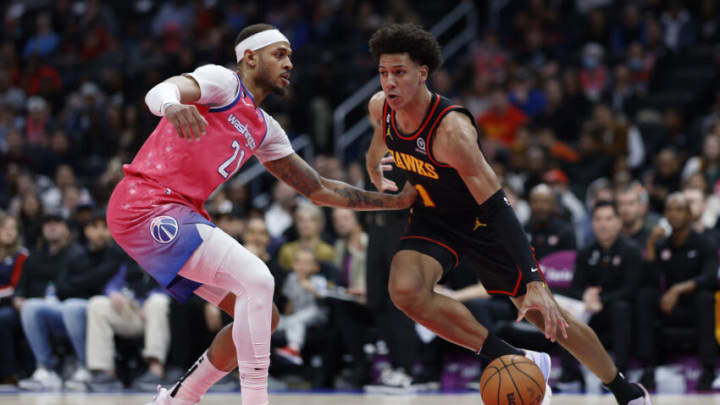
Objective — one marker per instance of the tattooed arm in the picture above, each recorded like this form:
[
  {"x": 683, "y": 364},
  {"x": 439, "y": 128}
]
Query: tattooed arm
[{"x": 294, "y": 171}]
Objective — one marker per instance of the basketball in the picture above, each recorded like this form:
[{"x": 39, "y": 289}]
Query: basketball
[{"x": 512, "y": 380}]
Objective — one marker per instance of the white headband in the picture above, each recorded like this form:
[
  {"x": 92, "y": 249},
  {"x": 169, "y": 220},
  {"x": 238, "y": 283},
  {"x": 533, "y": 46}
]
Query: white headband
[{"x": 257, "y": 41}]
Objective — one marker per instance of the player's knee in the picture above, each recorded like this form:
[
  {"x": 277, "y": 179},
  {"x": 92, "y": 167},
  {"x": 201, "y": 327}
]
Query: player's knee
[
  {"x": 262, "y": 282},
  {"x": 407, "y": 295}
]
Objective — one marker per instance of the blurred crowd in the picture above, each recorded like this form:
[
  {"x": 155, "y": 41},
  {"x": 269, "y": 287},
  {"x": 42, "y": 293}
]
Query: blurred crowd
[{"x": 601, "y": 118}]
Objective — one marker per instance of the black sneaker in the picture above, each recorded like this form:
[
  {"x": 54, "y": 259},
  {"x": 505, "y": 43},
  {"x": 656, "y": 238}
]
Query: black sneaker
[
  {"x": 148, "y": 382},
  {"x": 104, "y": 381},
  {"x": 706, "y": 379},
  {"x": 648, "y": 379}
]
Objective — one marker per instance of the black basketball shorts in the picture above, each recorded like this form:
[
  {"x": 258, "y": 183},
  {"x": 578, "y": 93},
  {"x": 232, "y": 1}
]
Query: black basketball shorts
[{"x": 466, "y": 239}]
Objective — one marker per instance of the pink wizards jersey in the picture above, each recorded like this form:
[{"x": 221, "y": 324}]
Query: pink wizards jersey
[
  {"x": 190, "y": 170},
  {"x": 154, "y": 211}
]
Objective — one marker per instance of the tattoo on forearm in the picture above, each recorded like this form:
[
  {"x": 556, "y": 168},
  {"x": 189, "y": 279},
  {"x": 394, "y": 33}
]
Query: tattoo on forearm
[
  {"x": 296, "y": 173},
  {"x": 299, "y": 175},
  {"x": 357, "y": 198}
]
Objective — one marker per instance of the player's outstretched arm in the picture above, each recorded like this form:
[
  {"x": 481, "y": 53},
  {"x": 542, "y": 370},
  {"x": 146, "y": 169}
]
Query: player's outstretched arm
[
  {"x": 456, "y": 144},
  {"x": 294, "y": 171}
]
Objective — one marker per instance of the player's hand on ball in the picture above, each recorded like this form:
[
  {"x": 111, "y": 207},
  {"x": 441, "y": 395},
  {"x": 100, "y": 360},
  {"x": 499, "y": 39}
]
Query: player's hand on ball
[
  {"x": 377, "y": 175},
  {"x": 538, "y": 298},
  {"x": 187, "y": 120}
]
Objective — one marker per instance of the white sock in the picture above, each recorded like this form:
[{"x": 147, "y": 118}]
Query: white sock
[{"x": 196, "y": 381}]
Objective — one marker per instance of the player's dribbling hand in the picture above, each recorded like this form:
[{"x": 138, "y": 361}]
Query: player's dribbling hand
[
  {"x": 538, "y": 298},
  {"x": 187, "y": 120},
  {"x": 377, "y": 175}
]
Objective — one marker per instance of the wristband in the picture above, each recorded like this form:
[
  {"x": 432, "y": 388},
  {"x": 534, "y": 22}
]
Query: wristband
[{"x": 162, "y": 95}]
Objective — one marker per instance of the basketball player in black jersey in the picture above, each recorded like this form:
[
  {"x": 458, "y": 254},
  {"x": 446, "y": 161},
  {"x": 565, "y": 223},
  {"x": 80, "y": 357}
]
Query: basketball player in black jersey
[{"x": 461, "y": 214}]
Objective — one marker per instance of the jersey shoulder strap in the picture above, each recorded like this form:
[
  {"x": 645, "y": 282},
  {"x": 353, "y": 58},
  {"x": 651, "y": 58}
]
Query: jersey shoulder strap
[{"x": 447, "y": 106}]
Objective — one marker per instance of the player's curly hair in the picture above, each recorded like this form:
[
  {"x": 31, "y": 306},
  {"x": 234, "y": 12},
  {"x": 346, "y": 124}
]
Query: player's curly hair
[{"x": 420, "y": 44}]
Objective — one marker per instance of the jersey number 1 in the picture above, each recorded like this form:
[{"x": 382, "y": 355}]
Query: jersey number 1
[
  {"x": 425, "y": 196},
  {"x": 223, "y": 167}
]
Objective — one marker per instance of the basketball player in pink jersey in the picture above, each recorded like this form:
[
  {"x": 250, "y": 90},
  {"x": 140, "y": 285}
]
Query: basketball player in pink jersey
[{"x": 211, "y": 125}]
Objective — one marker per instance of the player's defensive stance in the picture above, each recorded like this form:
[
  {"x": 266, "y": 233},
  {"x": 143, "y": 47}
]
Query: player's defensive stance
[{"x": 211, "y": 125}]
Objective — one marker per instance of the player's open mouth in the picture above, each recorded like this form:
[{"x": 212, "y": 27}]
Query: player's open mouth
[
  {"x": 286, "y": 78},
  {"x": 392, "y": 96}
]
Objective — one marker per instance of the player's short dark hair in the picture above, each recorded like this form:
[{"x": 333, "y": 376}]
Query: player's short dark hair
[
  {"x": 251, "y": 30},
  {"x": 420, "y": 44},
  {"x": 606, "y": 203}
]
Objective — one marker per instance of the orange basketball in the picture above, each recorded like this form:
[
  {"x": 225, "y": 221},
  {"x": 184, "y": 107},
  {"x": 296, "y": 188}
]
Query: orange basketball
[{"x": 512, "y": 380}]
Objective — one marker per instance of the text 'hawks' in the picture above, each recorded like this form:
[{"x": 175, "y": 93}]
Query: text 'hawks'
[{"x": 415, "y": 165}]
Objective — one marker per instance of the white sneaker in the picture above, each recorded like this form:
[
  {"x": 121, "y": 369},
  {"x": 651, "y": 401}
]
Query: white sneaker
[
  {"x": 42, "y": 380},
  {"x": 79, "y": 380},
  {"x": 544, "y": 364},
  {"x": 391, "y": 382},
  {"x": 162, "y": 397},
  {"x": 643, "y": 400}
]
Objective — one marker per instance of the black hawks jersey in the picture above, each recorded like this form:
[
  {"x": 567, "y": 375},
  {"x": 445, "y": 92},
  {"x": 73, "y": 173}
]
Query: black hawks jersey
[{"x": 441, "y": 190}]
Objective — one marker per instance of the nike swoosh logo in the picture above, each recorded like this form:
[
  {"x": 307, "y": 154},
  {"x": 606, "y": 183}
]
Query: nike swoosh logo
[{"x": 534, "y": 269}]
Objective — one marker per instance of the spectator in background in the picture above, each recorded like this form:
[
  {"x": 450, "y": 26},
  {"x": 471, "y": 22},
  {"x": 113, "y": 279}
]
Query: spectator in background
[
  {"x": 353, "y": 318},
  {"x": 560, "y": 184},
  {"x": 37, "y": 122},
  {"x": 279, "y": 217},
  {"x": 489, "y": 59},
  {"x": 593, "y": 76},
  {"x": 631, "y": 29},
  {"x": 31, "y": 215},
  {"x": 45, "y": 41},
  {"x": 632, "y": 207},
  {"x": 622, "y": 96},
  {"x": 558, "y": 115},
  {"x": 309, "y": 220},
  {"x": 548, "y": 233},
  {"x": 599, "y": 190},
  {"x": 524, "y": 95},
  {"x": 53, "y": 197},
  {"x": 12, "y": 258},
  {"x": 688, "y": 263},
  {"x": 615, "y": 137},
  {"x": 502, "y": 120},
  {"x": 678, "y": 26},
  {"x": 607, "y": 275},
  {"x": 641, "y": 65},
  {"x": 702, "y": 219},
  {"x": 41, "y": 313},
  {"x": 708, "y": 27},
  {"x": 303, "y": 309},
  {"x": 664, "y": 178},
  {"x": 133, "y": 310},
  {"x": 708, "y": 163}
]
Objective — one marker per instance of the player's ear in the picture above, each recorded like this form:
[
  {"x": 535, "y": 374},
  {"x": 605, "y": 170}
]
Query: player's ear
[
  {"x": 424, "y": 73},
  {"x": 251, "y": 57}
]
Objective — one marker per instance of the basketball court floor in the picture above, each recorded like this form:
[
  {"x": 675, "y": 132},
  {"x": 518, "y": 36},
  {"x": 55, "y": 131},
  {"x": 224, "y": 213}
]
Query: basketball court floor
[{"x": 333, "y": 399}]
